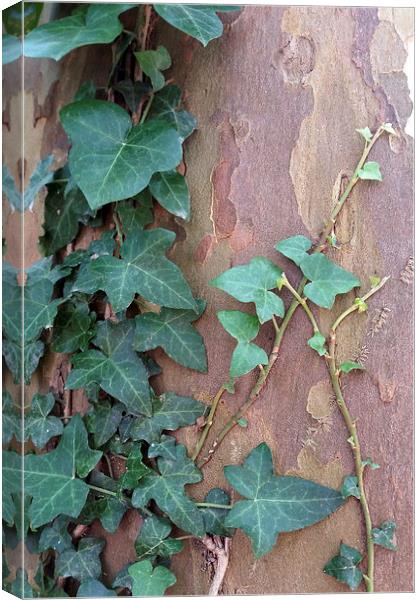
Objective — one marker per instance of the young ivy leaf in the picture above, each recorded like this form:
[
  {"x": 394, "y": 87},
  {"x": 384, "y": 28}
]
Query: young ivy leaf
[
  {"x": 134, "y": 470},
  {"x": 153, "y": 540},
  {"x": 165, "y": 108},
  {"x": 344, "y": 567},
  {"x": 383, "y": 535},
  {"x": 350, "y": 365},
  {"x": 96, "y": 24},
  {"x": 350, "y": 487},
  {"x": 214, "y": 518},
  {"x": 132, "y": 92},
  {"x": 149, "y": 581},
  {"x": 52, "y": 479},
  {"x": 122, "y": 158},
  {"x": 274, "y": 504},
  {"x": 251, "y": 283},
  {"x": 374, "y": 280},
  {"x": 74, "y": 327},
  {"x": 199, "y": 21},
  {"x": 327, "y": 280},
  {"x": 115, "y": 367},
  {"x": 56, "y": 536},
  {"x": 171, "y": 191},
  {"x": 92, "y": 588},
  {"x": 365, "y": 133},
  {"x": 389, "y": 128},
  {"x": 243, "y": 328},
  {"x": 11, "y": 419},
  {"x": 368, "y": 462},
  {"x": 296, "y": 248},
  {"x": 370, "y": 171},
  {"x": 171, "y": 329},
  {"x": 143, "y": 269},
  {"x": 39, "y": 426},
  {"x": 108, "y": 510},
  {"x": 317, "y": 343},
  {"x": 83, "y": 563},
  {"x": 103, "y": 420},
  {"x": 152, "y": 62}
]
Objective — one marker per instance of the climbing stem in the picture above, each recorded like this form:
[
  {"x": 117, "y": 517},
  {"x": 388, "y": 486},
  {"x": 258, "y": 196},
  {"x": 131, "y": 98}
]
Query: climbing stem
[
  {"x": 102, "y": 490},
  {"x": 212, "y": 505},
  {"x": 355, "y": 307},
  {"x": 302, "y": 301},
  {"x": 209, "y": 422}
]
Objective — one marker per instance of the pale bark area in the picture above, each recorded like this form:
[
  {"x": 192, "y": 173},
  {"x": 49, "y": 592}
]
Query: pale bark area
[{"x": 277, "y": 99}]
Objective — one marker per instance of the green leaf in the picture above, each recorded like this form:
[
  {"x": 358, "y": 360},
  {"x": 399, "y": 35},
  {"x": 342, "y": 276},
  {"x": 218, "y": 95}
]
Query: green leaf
[
  {"x": 242, "y": 422},
  {"x": 350, "y": 487},
  {"x": 170, "y": 412},
  {"x": 243, "y": 328},
  {"x": 374, "y": 280},
  {"x": 152, "y": 62},
  {"x": 296, "y": 248},
  {"x": 344, "y": 567},
  {"x": 383, "y": 535},
  {"x": 11, "y": 419},
  {"x": 122, "y": 158},
  {"x": 317, "y": 343},
  {"x": 51, "y": 478},
  {"x": 153, "y": 539},
  {"x": 165, "y": 108},
  {"x": 108, "y": 510},
  {"x": 171, "y": 191},
  {"x": 275, "y": 504},
  {"x": 251, "y": 283},
  {"x": 214, "y": 518},
  {"x": 98, "y": 24},
  {"x": 365, "y": 133},
  {"x": 92, "y": 588},
  {"x": 40, "y": 177},
  {"x": 362, "y": 306},
  {"x": 350, "y": 365},
  {"x": 32, "y": 353},
  {"x": 38, "y": 425},
  {"x": 132, "y": 92},
  {"x": 149, "y": 581},
  {"x": 21, "y": 15},
  {"x": 368, "y": 462},
  {"x": 103, "y": 420},
  {"x": 136, "y": 216},
  {"x": 327, "y": 280},
  {"x": 171, "y": 329},
  {"x": 167, "y": 489},
  {"x": 12, "y": 49},
  {"x": 74, "y": 327},
  {"x": 116, "y": 368},
  {"x": 389, "y": 128},
  {"x": 135, "y": 470},
  {"x": 370, "y": 171},
  {"x": 20, "y": 586},
  {"x": 83, "y": 563},
  {"x": 56, "y": 536},
  {"x": 11, "y": 483},
  {"x": 86, "y": 91},
  {"x": 143, "y": 269},
  {"x": 199, "y": 21}
]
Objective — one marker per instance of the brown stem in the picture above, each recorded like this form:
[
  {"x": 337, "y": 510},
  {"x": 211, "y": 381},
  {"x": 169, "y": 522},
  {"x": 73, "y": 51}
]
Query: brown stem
[
  {"x": 220, "y": 547},
  {"x": 209, "y": 422}
]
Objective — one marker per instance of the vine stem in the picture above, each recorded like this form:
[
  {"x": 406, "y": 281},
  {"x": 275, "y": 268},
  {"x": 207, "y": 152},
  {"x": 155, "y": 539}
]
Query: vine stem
[
  {"x": 212, "y": 505},
  {"x": 302, "y": 301},
  {"x": 209, "y": 422},
  {"x": 280, "y": 330}
]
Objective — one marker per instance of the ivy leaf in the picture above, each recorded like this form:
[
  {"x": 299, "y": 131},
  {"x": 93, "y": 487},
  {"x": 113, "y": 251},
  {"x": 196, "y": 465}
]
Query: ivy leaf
[
  {"x": 86, "y": 91},
  {"x": 327, "y": 280},
  {"x": 199, "y": 21},
  {"x": 214, "y": 518},
  {"x": 370, "y": 171},
  {"x": 365, "y": 133},
  {"x": 350, "y": 365},
  {"x": 116, "y": 368},
  {"x": 152, "y": 62},
  {"x": 243, "y": 328},
  {"x": 149, "y": 581},
  {"x": 251, "y": 283},
  {"x": 74, "y": 327},
  {"x": 136, "y": 216},
  {"x": 132, "y": 92},
  {"x": 38, "y": 425},
  {"x": 108, "y": 510},
  {"x": 56, "y": 536},
  {"x": 165, "y": 108},
  {"x": 11, "y": 483},
  {"x": 153, "y": 539},
  {"x": 143, "y": 269},
  {"x": 103, "y": 420},
  {"x": 98, "y": 24},
  {"x": 350, "y": 487},
  {"x": 122, "y": 158},
  {"x": 92, "y": 588},
  {"x": 344, "y": 567},
  {"x": 170, "y": 412},
  {"x": 40, "y": 177},
  {"x": 368, "y": 462},
  {"x": 317, "y": 343},
  {"x": 296, "y": 248},
  {"x": 11, "y": 421},
  {"x": 51, "y": 478},
  {"x": 135, "y": 470},
  {"x": 171, "y": 329},
  {"x": 382, "y": 535},
  {"x": 32, "y": 353},
  {"x": 12, "y": 49},
  {"x": 20, "y": 586},
  {"x": 83, "y": 563},
  {"x": 167, "y": 489},
  {"x": 275, "y": 504},
  {"x": 171, "y": 191},
  {"x": 389, "y": 128}
]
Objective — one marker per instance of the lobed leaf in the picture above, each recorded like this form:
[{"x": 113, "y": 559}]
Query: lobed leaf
[
  {"x": 83, "y": 563},
  {"x": 344, "y": 567},
  {"x": 350, "y": 487},
  {"x": 153, "y": 539},
  {"x": 39, "y": 425},
  {"x": 152, "y": 62},
  {"x": 383, "y": 535},
  {"x": 370, "y": 171},
  {"x": 92, "y": 588},
  {"x": 350, "y": 365},
  {"x": 149, "y": 581},
  {"x": 296, "y": 248},
  {"x": 165, "y": 107},
  {"x": 317, "y": 343}
]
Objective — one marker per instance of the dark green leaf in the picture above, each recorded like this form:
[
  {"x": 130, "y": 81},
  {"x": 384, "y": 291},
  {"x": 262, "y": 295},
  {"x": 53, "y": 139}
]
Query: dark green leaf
[
  {"x": 117, "y": 368},
  {"x": 317, "y": 343},
  {"x": 12, "y": 421},
  {"x": 350, "y": 487},
  {"x": 171, "y": 191},
  {"x": 135, "y": 470},
  {"x": 20, "y": 586},
  {"x": 87, "y": 91},
  {"x": 122, "y": 158},
  {"x": 39, "y": 426},
  {"x": 275, "y": 504},
  {"x": 149, "y": 581},
  {"x": 152, "y": 62},
  {"x": 165, "y": 107},
  {"x": 214, "y": 518},
  {"x": 344, "y": 567},
  {"x": 92, "y": 588},
  {"x": 103, "y": 420},
  {"x": 350, "y": 365},
  {"x": 143, "y": 269},
  {"x": 132, "y": 92},
  {"x": 153, "y": 539},
  {"x": 136, "y": 216},
  {"x": 251, "y": 283},
  {"x": 28, "y": 12},
  {"x": 40, "y": 177},
  {"x": 56, "y": 536},
  {"x": 99, "y": 24},
  {"x": 74, "y": 327},
  {"x": 12, "y": 483},
  {"x": 370, "y": 171},
  {"x": 327, "y": 279},
  {"x": 383, "y": 535},
  {"x": 83, "y": 563},
  {"x": 171, "y": 329},
  {"x": 32, "y": 353},
  {"x": 108, "y": 510},
  {"x": 296, "y": 248}
]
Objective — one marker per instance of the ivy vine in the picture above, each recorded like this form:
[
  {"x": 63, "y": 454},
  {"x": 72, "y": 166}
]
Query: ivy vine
[{"x": 109, "y": 304}]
